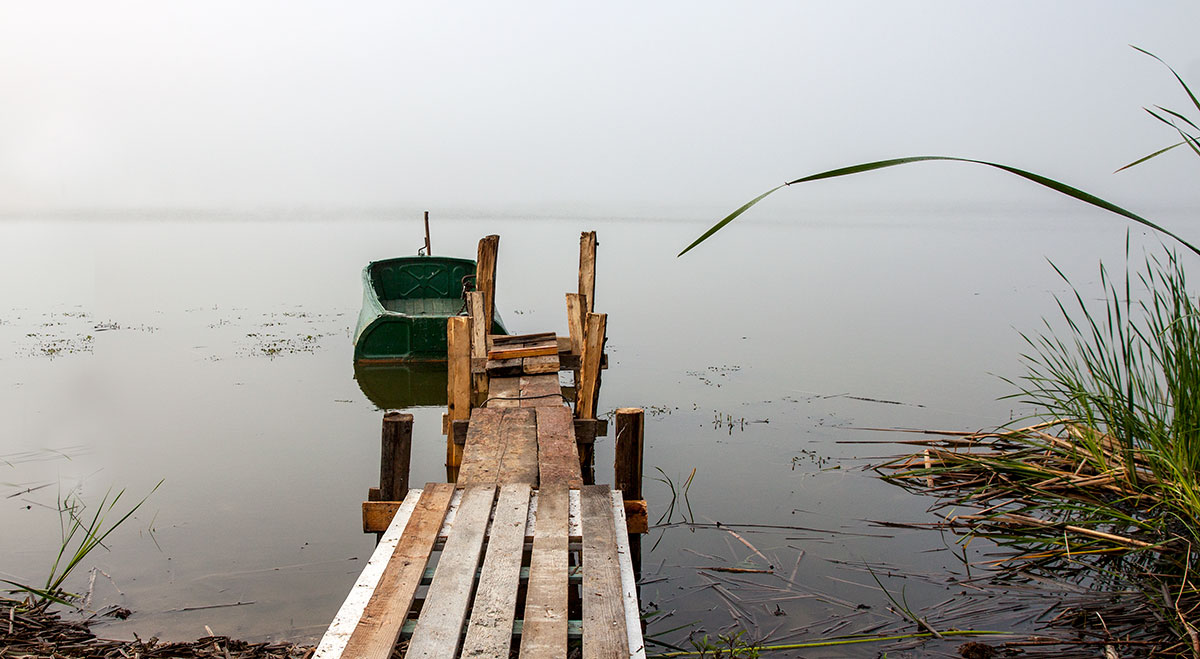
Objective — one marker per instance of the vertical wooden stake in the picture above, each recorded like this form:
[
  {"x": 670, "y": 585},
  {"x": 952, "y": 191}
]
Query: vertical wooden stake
[
  {"x": 587, "y": 390},
  {"x": 576, "y": 321},
  {"x": 428, "y": 249},
  {"x": 587, "y": 268},
  {"x": 485, "y": 277},
  {"x": 479, "y": 343},
  {"x": 458, "y": 383},
  {"x": 396, "y": 454},
  {"x": 627, "y": 463}
]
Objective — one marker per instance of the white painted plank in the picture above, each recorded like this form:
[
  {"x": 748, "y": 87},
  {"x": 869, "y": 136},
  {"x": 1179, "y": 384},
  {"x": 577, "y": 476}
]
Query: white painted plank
[
  {"x": 574, "y": 526},
  {"x": 633, "y": 620},
  {"x": 334, "y": 641}
]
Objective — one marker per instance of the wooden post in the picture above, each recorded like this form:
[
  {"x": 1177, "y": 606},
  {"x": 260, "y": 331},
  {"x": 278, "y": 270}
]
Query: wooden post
[
  {"x": 627, "y": 464},
  {"x": 428, "y": 249},
  {"x": 587, "y": 390},
  {"x": 458, "y": 384},
  {"x": 396, "y": 454},
  {"x": 485, "y": 277},
  {"x": 479, "y": 348},
  {"x": 576, "y": 321},
  {"x": 587, "y": 268}
]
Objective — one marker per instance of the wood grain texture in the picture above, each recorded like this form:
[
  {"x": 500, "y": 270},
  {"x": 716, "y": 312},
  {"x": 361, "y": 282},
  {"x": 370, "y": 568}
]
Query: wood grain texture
[
  {"x": 479, "y": 346},
  {"x": 504, "y": 392},
  {"x": 544, "y": 635},
  {"x": 537, "y": 350},
  {"x": 604, "y": 634},
  {"x": 587, "y": 390},
  {"x": 627, "y": 459},
  {"x": 517, "y": 339},
  {"x": 396, "y": 452},
  {"x": 441, "y": 623},
  {"x": 576, "y": 321},
  {"x": 519, "y": 463},
  {"x": 383, "y": 618},
  {"x": 485, "y": 276},
  {"x": 484, "y": 448},
  {"x": 540, "y": 365},
  {"x": 541, "y": 390},
  {"x": 558, "y": 456},
  {"x": 587, "y": 268},
  {"x": 458, "y": 381},
  {"x": 489, "y": 632}
]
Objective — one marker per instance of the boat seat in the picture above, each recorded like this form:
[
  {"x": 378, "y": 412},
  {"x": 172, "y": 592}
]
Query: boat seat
[{"x": 425, "y": 306}]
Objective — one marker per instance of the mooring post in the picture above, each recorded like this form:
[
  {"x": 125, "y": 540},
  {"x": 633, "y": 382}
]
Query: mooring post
[
  {"x": 396, "y": 455},
  {"x": 627, "y": 477},
  {"x": 458, "y": 386},
  {"x": 485, "y": 277},
  {"x": 479, "y": 336},
  {"x": 428, "y": 248}
]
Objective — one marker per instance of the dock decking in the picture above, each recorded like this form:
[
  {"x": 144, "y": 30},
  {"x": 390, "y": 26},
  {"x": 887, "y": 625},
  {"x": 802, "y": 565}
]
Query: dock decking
[{"x": 517, "y": 556}]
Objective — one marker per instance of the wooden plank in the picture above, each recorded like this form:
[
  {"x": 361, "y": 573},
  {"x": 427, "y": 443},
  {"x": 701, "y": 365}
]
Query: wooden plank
[
  {"x": 538, "y": 350},
  {"x": 519, "y": 463},
  {"x": 637, "y": 516},
  {"x": 558, "y": 456},
  {"x": 485, "y": 277},
  {"x": 458, "y": 381},
  {"x": 499, "y": 368},
  {"x": 541, "y": 391},
  {"x": 540, "y": 365},
  {"x": 625, "y": 558},
  {"x": 576, "y": 321},
  {"x": 544, "y": 633},
  {"x": 489, "y": 633},
  {"x": 604, "y": 634},
  {"x": 484, "y": 448},
  {"x": 440, "y": 625},
  {"x": 504, "y": 392},
  {"x": 587, "y": 390},
  {"x": 627, "y": 459},
  {"x": 382, "y": 619},
  {"x": 587, "y": 268},
  {"x": 334, "y": 641},
  {"x": 507, "y": 340},
  {"x": 479, "y": 345},
  {"x": 377, "y": 516}
]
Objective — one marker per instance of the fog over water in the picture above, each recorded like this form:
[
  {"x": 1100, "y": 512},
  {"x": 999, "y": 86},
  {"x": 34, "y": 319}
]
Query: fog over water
[{"x": 520, "y": 106}]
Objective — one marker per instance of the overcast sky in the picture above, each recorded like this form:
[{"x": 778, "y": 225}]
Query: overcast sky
[{"x": 377, "y": 104}]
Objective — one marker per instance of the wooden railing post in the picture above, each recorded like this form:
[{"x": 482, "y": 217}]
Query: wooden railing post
[
  {"x": 485, "y": 277},
  {"x": 587, "y": 268},
  {"x": 396, "y": 455},
  {"x": 458, "y": 386},
  {"x": 479, "y": 347},
  {"x": 627, "y": 463},
  {"x": 587, "y": 390}
]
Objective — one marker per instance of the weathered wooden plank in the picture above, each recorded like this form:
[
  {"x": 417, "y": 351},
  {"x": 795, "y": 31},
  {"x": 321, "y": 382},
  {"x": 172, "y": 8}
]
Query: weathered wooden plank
[
  {"x": 587, "y": 390},
  {"x": 519, "y": 463},
  {"x": 540, "y": 365},
  {"x": 382, "y": 619},
  {"x": 633, "y": 621},
  {"x": 458, "y": 382},
  {"x": 485, "y": 276},
  {"x": 489, "y": 633},
  {"x": 484, "y": 447},
  {"x": 576, "y": 321},
  {"x": 627, "y": 460},
  {"x": 440, "y": 625},
  {"x": 344, "y": 623},
  {"x": 504, "y": 392},
  {"x": 378, "y": 515},
  {"x": 544, "y": 634},
  {"x": 499, "y": 368},
  {"x": 587, "y": 268},
  {"x": 604, "y": 634},
  {"x": 541, "y": 391},
  {"x": 558, "y": 456},
  {"x": 549, "y": 347},
  {"x": 513, "y": 339},
  {"x": 479, "y": 346}
]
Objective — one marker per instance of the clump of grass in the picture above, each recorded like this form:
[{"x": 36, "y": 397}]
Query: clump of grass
[{"x": 80, "y": 534}]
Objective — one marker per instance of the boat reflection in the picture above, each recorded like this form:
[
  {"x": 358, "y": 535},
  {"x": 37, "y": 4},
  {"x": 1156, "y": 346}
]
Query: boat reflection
[{"x": 400, "y": 386}]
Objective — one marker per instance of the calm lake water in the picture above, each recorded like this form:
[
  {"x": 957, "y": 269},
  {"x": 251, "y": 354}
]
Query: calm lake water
[{"x": 213, "y": 352}]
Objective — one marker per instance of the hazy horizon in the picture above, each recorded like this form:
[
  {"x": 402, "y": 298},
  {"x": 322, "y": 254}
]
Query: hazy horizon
[{"x": 540, "y": 105}]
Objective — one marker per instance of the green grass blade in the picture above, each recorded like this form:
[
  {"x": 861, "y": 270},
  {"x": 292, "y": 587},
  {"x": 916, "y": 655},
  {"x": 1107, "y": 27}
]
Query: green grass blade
[
  {"x": 1044, "y": 181},
  {"x": 1181, "y": 82},
  {"x": 1152, "y": 155},
  {"x": 728, "y": 218}
]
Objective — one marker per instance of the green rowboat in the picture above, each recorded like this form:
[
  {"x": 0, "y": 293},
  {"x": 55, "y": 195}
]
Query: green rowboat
[{"x": 406, "y": 302}]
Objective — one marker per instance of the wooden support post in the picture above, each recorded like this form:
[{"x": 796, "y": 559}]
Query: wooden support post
[
  {"x": 485, "y": 277},
  {"x": 458, "y": 385},
  {"x": 397, "y": 451},
  {"x": 479, "y": 346},
  {"x": 627, "y": 463},
  {"x": 576, "y": 321},
  {"x": 587, "y": 268},
  {"x": 587, "y": 390}
]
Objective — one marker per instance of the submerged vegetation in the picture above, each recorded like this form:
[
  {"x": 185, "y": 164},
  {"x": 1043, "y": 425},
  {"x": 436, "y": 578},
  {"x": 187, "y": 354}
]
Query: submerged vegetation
[{"x": 1103, "y": 491}]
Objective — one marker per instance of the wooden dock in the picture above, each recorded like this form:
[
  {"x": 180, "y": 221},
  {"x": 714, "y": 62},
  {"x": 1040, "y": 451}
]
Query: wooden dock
[{"x": 518, "y": 554}]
